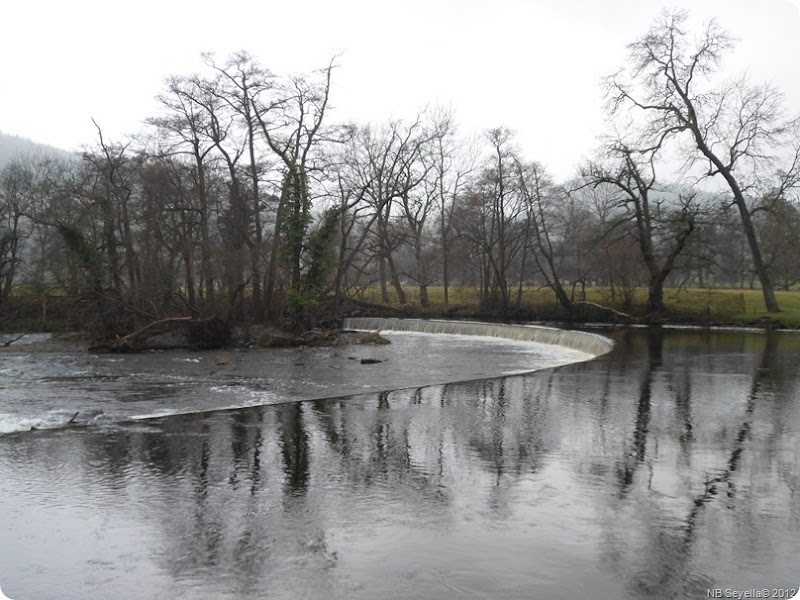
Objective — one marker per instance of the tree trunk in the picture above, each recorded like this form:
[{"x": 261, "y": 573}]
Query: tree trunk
[
  {"x": 255, "y": 249},
  {"x": 422, "y": 270},
  {"x": 206, "y": 275},
  {"x": 655, "y": 295},
  {"x": 747, "y": 223},
  {"x": 270, "y": 292},
  {"x": 445, "y": 275},
  {"x": 395, "y": 279}
]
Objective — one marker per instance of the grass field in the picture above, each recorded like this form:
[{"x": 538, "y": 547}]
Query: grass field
[
  {"x": 703, "y": 307},
  {"x": 693, "y": 305}
]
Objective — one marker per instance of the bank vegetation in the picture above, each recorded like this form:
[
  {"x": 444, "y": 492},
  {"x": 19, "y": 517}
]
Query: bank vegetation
[{"x": 241, "y": 202}]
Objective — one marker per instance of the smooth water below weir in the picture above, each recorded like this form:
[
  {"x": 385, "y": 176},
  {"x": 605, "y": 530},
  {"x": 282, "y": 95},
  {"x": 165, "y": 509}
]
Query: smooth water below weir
[{"x": 666, "y": 468}]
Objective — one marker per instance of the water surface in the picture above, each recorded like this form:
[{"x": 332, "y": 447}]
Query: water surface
[
  {"x": 662, "y": 470},
  {"x": 43, "y": 388}
]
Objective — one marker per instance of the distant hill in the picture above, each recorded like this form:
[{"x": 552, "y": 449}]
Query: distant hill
[{"x": 13, "y": 145}]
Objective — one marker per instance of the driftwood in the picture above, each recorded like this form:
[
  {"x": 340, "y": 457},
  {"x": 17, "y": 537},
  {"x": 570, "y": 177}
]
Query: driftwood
[
  {"x": 313, "y": 337},
  {"x": 132, "y": 337},
  {"x": 613, "y": 311},
  {"x": 189, "y": 333},
  {"x": 16, "y": 339}
]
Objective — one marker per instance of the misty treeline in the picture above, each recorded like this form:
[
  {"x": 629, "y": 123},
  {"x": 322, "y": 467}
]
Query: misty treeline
[{"x": 242, "y": 199}]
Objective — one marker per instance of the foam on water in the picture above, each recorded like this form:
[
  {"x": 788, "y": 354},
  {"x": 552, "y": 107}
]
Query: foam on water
[
  {"x": 590, "y": 343},
  {"x": 45, "y": 390},
  {"x": 14, "y": 423}
]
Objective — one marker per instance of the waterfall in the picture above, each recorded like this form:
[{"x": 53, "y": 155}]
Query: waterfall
[{"x": 582, "y": 341}]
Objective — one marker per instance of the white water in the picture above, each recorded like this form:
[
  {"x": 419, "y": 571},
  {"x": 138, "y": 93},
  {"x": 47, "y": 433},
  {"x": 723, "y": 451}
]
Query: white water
[
  {"x": 590, "y": 343},
  {"x": 44, "y": 389}
]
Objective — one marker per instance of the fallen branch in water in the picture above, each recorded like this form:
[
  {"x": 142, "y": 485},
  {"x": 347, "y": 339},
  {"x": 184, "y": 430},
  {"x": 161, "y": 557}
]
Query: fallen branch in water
[
  {"x": 613, "y": 311},
  {"x": 202, "y": 333},
  {"x": 16, "y": 339},
  {"x": 131, "y": 337}
]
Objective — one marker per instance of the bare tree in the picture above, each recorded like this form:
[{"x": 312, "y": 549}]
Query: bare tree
[
  {"x": 243, "y": 83},
  {"x": 384, "y": 174},
  {"x": 229, "y": 142},
  {"x": 186, "y": 124},
  {"x": 210, "y": 123},
  {"x": 291, "y": 123},
  {"x": 418, "y": 203},
  {"x": 734, "y": 128},
  {"x": 113, "y": 165},
  {"x": 491, "y": 218},
  {"x": 452, "y": 165},
  {"x": 16, "y": 195},
  {"x": 352, "y": 182},
  {"x": 543, "y": 203},
  {"x": 663, "y": 221}
]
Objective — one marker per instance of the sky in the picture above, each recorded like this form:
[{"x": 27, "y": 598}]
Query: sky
[{"x": 533, "y": 66}]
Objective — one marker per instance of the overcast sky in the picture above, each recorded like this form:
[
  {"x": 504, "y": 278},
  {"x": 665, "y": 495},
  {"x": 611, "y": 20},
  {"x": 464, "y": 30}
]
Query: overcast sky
[{"x": 531, "y": 65}]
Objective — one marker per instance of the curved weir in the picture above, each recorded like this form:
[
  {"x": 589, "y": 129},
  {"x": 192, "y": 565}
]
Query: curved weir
[
  {"x": 45, "y": 386},
  {"x": 582, "y": 341}
]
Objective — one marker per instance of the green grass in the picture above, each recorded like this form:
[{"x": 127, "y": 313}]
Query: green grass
[
  {"x": 692, "y": 305},
  {"x": 714, "y": 306}
]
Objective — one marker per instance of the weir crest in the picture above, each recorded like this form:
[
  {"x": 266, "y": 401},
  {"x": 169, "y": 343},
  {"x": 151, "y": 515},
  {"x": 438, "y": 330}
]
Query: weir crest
[{"x": 582, "y": 341}]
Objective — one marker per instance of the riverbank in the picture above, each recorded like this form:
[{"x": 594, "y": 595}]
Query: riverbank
[
  {"x": 698, "y": 307},
  {"x": 685, "y": 307}
]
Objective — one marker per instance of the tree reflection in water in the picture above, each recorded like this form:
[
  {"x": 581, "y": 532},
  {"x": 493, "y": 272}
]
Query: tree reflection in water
[
  {"x": 664, "y": 469},
  {"x": 670, "y": 535}
]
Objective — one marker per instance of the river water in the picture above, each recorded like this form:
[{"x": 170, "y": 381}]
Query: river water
[{"x": 665, "y": 469}]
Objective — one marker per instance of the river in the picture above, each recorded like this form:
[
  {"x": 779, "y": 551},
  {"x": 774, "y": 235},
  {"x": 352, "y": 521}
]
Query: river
[{"x": 665, "y": 469}]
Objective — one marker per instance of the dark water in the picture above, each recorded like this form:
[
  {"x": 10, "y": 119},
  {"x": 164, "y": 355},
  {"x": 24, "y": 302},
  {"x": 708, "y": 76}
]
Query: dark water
[{"x": 662, "y": 470}]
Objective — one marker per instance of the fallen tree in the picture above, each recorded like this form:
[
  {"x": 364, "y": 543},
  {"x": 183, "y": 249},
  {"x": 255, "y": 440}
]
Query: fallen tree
[{"x": 171, "y": 333}]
